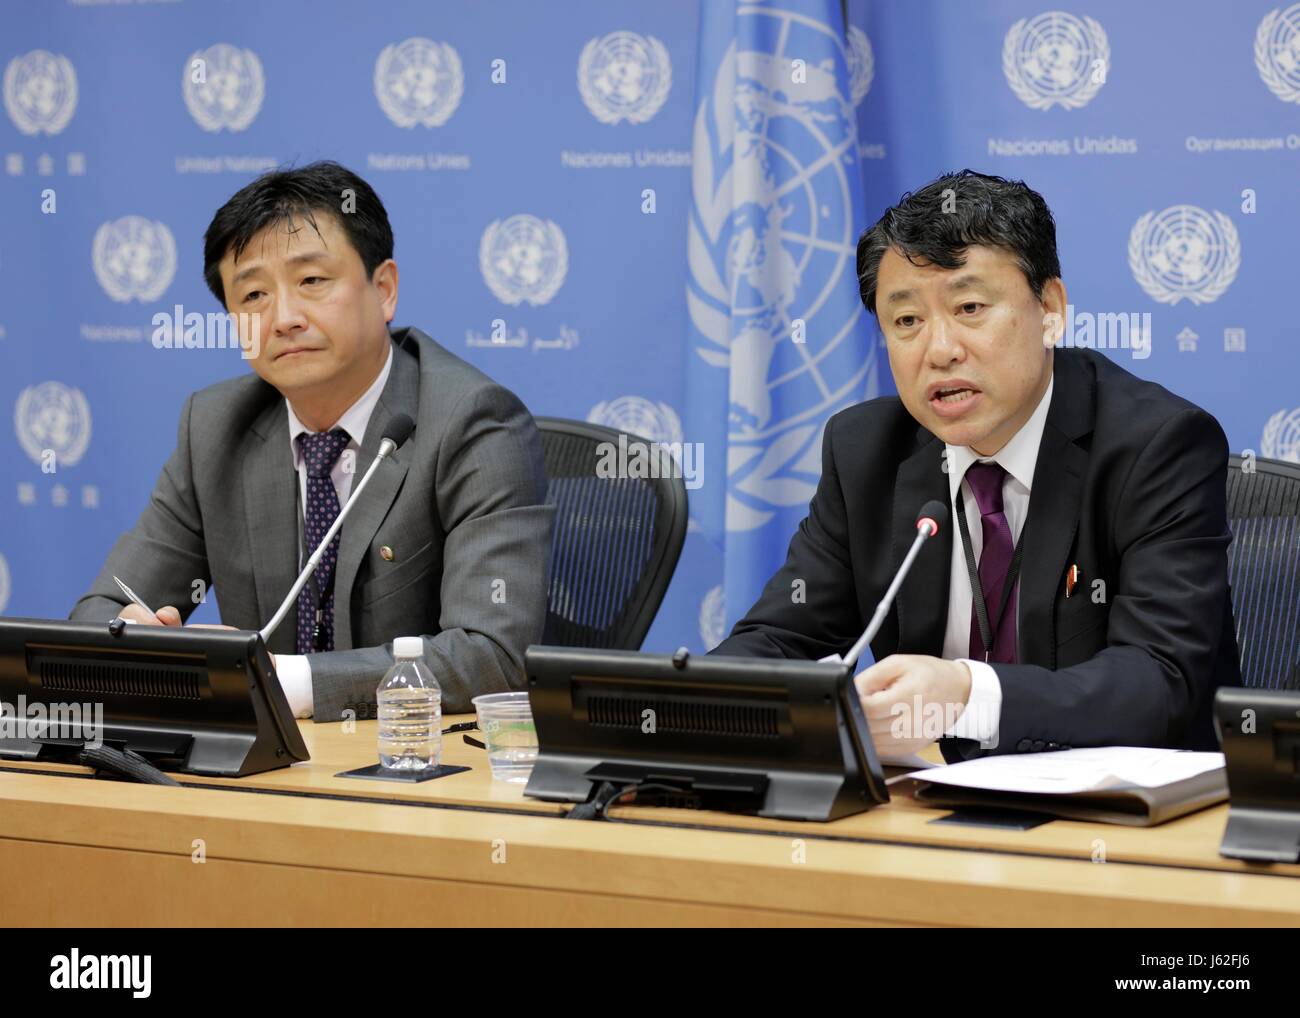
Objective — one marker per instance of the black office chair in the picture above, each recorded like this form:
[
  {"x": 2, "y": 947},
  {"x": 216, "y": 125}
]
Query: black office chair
[
  {"x": 617, "y": 539},
  {"x": 1264, "y": 570}
]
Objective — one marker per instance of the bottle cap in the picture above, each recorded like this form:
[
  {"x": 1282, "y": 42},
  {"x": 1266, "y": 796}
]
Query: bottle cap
[{"x": 407, "y": 647}]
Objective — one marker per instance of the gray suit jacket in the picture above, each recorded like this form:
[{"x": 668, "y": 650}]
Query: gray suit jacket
[{"x": 460, "y": 504}]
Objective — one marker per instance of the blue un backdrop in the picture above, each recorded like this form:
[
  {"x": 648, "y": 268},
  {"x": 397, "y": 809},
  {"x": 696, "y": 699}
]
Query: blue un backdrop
[{"x": 637, "y": 213}]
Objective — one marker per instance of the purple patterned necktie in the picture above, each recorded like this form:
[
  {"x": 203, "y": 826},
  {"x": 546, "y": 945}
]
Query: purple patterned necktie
[
  {"x": 985, "y": 480},
  {"x": 320, "y": 451}
]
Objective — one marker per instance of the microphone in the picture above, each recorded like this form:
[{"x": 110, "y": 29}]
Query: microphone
[
  {"x": 396, "y": 431},
  {"x": 933, "y": 516}
]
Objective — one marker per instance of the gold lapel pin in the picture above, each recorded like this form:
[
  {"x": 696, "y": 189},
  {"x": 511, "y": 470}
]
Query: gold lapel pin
[
  {"x": 1071, "y": 580},
  {"x": 386, "y": 553}
]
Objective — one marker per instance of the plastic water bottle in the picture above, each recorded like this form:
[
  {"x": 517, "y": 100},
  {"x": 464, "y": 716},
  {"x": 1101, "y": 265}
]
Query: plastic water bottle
[{"x": 410, "y": 710}]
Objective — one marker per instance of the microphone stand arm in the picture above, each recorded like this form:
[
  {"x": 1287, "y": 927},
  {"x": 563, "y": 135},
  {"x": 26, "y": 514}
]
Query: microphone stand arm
[
  {"x": 882, "y": 609},
  {"x": 265, "y": 632}
]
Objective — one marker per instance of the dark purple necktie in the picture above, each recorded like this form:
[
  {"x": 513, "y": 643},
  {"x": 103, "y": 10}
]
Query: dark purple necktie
[
  {"x": 320, "y": 451},
  {"x": 985, "y": 480}
]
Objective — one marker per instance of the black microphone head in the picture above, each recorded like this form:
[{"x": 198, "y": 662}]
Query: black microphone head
[
  {"x": 936, "y": 512},
  {"x": 399, "y": 428}
]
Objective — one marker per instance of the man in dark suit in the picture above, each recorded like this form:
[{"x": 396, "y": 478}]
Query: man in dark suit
[
  {"x": 450, "y": 540},
  {"x": 1094, "y": 505}
]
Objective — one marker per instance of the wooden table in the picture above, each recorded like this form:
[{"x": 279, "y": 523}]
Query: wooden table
[{"x": 301, "y": 846}]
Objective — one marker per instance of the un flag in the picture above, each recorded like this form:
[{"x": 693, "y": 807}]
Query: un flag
[{"x": 779, "y": 338}]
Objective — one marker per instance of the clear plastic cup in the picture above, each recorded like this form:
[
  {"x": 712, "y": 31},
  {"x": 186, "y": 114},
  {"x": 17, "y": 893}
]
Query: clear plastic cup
[{"x": 506, "y": 721}]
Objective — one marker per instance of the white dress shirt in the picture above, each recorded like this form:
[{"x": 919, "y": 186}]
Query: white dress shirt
[
  {"x": 982, "y": 716},
  {"x": 294, "y": 670}
]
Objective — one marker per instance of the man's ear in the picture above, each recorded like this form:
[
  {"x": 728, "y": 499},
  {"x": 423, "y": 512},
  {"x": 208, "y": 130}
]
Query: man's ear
[
  {"x": 384, "y": 279},
  {"x": 1054, "y": 304}
]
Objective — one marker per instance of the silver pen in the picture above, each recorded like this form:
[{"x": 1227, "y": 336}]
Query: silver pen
[{"x": 132, "y": 595}]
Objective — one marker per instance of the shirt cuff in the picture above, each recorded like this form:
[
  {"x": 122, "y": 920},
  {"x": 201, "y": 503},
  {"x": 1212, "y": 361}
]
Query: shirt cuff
[
  {"x": 294, "y": 671},
  {"x": 983, "y": 714}
]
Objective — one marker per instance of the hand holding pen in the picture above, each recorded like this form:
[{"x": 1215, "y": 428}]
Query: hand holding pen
[{"x": 138, "y": 611}]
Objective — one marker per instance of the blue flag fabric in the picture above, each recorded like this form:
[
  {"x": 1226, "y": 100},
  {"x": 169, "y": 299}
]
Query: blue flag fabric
[{"x": 779, "y": 340}]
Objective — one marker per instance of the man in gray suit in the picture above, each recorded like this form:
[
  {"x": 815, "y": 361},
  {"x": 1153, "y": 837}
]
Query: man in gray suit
[{"x": 451, "y": 537}]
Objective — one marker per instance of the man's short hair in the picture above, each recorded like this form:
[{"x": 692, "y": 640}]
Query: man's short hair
[
  {"x": 982, "y": 209},
  {"x": 282, "y": 196}
]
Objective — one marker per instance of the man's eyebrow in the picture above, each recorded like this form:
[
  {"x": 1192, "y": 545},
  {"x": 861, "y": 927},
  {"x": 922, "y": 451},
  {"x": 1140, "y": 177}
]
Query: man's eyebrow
[
  {"x": 969, "y": 279},
  {"x": 296, "y": 260}
]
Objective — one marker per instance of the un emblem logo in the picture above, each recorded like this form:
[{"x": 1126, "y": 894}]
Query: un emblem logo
[
  {"x": 5, "y": 585},
  {"x": 713, "y": 618},
  {"x": 223, "y": 86},
  {"x": 40, "y": 92},
  {"x": 523, "y": 259},
  {"x": 53, "y": 416},
  {"x": 639, "y": 416},
  {"x": 862, "y": 64},
  {"x": 1055, "y": 59},
  {"x": 1277, "y": 52},
  {"x": 624, "y": 76},
  {"x": 772, "y": 250},
  {"x": 1282, "y": 436},
  {"x": 419, "y": 81},
  {"x": 134, "y": 257},
  {"x": 1184, "y": 252}
]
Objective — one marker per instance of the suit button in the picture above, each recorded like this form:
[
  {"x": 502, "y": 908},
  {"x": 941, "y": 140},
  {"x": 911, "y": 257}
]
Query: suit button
[
  {"x": 1052, "y": 745},
  {"x": 1038, "y": 745},
  {"x": 1023, "y": 746}
]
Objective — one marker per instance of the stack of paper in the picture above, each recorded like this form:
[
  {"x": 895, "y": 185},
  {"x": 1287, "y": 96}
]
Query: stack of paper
[
  {"x": 1075, "y": 770},
  {"x": 1113, "y": 784}
]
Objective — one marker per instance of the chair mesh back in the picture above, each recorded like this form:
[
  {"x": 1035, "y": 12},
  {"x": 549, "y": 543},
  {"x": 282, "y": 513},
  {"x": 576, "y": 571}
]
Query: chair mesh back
[
  {"x": 616, "y": 540},
  {"x": 1264, "y": 570}
]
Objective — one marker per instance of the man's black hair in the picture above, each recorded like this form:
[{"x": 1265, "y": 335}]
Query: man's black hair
[
  {"x": 948, "y": 215},
  {"x": 285, "y": 195}
]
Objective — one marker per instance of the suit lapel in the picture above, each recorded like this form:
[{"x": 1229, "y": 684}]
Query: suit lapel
[
  {"x": 1053, "y": 516},
  {"x": 401, "y": 395},
  {"x": 271, "y": 516},
  {"x": 922, "y": 602}
]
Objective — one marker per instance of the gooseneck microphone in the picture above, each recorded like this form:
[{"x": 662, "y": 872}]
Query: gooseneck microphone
[
  {"x": 933, "y": 517},
  {"x": 396, "y": 431}
]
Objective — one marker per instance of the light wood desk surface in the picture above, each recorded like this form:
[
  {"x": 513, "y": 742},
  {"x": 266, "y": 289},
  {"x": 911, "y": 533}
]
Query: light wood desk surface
[{"x": 300, "y": 845}]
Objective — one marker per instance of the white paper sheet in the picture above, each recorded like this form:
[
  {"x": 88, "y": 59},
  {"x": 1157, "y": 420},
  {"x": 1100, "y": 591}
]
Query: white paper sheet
[{"x": 1067, "y": 771}]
